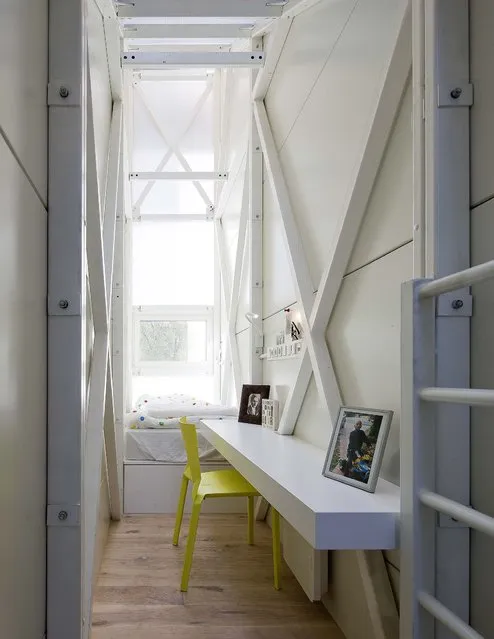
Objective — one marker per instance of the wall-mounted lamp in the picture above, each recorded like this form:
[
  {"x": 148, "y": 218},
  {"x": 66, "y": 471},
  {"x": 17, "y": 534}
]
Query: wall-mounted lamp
[{"x": 253, "y": 318}]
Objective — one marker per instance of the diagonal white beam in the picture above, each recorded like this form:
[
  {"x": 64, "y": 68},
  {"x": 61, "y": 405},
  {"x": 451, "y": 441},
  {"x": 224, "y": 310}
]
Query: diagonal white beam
[
  {"x": 93, "y": 454},
  {"x": 110, "y": 438},
  {"x": 94, "y": 230},
  {"x": 365, "y": 175},
  {"x": 111, "y": 199},
  {"x": 168, "y": 155},
  {"x": 276, "y": 43},
  {"x": 113, "y": 36},
  {"x": 315, "y": 342},
  {"x": 186, "y": 31},
  {"x": 236, "y": 283},
  {"x": 199, "y": 9},
  {"x": 291, "y": 10}
]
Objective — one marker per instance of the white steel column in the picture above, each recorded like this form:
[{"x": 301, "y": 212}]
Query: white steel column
[
  {"x": 66, "y": 316},
  {"x": 254, "y": 174},
  {"x": 436, "y": 548},
  {"x": 448, "y": 226}
]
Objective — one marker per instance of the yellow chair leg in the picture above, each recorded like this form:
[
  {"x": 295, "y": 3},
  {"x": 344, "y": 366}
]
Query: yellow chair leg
[
  {"x": 180, "y": 509},
  {"x": 275, "y": 524},
  {"x": 191, "y": 540},
  {"x": 250, "y": 514}
]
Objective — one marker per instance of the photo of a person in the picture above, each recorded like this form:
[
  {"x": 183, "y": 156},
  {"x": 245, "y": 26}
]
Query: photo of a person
[
  {"x": 356, "y": 448},
  {"x": 254, "y": 404},
  {"x": 356, "y": 441},
  {"x": 250, "y": 409}
]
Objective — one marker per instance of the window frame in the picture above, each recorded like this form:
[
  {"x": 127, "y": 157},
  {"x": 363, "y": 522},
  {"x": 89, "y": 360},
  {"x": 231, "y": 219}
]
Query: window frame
[{"x": 184, "y": 313}]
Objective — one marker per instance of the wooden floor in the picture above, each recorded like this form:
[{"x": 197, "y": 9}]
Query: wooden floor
[{"x": 231, "y": 594}]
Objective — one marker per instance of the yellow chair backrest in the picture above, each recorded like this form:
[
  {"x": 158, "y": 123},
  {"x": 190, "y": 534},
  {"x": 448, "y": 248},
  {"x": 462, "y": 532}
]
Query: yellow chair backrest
[{"x": 189, "y": 435}]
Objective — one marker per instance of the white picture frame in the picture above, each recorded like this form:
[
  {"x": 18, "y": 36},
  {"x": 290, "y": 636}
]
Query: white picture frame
[
  {"x": 356, "y": 459},
  {"x": 270, "y": 414}
]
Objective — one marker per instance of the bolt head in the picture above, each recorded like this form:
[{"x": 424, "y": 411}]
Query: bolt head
[
  {"x": 63, "y": 304},
  {"x": 63, "y": 515},
  {"x": 64, "y": 92},
  {"x": 456, "y": 304},
  {"x": 455, "y": 93}
]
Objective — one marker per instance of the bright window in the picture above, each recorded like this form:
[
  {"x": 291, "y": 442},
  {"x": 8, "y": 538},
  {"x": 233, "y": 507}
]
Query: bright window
[
  {"x": 173, "y": 263},
  {"x": 173, "y": 340}
]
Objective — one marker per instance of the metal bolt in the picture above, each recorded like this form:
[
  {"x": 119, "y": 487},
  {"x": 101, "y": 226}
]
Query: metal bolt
[
  {"x": 455, "y": 93},
  {"x": 456, "y": 304},
  {"x": 63, "y": 515},
  {"x": 63, "y": 304},
  {"x": 64, "y": 92}
]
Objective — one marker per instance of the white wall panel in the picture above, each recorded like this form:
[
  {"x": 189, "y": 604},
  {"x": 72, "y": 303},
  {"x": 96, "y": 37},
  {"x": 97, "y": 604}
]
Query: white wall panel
[
  {"x": 244, "y": 353},
  {"x": 101, "y": 90},
  {"x": 311, "y": 40},
  {"x": 23, "y": 223},
  {"x": 278, "y": 291},
  {"x": 364, "y": 339},
  {"x": 103, "y": 521},
  {"x": 388, "y": 220},
  {"x": 482, "y": 440},
  {"x": 326, "y": 142},
  {"x": 239, "y": 110},
  {"x": 482, "y": 129},
  {"x": 245, "y": 291},
  {"x": 23, "y": 78},
  {"x": 280, "y": 374}
]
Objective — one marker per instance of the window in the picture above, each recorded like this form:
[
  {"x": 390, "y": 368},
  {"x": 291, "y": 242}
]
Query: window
[{"x": 173, "y": 340}]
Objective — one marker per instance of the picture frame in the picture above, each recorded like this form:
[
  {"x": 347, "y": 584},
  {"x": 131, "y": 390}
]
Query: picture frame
[
  {"x": 356, "y": 459},
  {"x": 270, "y": 414},
  {"x": 250, "y": 411}
]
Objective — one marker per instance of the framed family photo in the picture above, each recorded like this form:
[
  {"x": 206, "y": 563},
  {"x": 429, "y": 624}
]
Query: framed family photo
[
  {"x": 250, "y": 411},
  {"x": 357, "y": 446}
]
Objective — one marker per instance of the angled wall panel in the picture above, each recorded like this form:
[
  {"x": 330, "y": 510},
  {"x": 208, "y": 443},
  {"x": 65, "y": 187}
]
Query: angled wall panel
[
  {"x": 327, "y": 139},
  {"x": 364, "y": 339},
  {"x": 482, "y": 131},
  {"x": 23, "y": 76},
  {"x": 100, "y": 86},
  {"x": 23, "y": 224},
  {"x": 308, "y": 47},
  {"x": 387, "y": 222}
]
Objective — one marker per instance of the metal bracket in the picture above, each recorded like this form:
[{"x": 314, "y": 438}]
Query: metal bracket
[
  {"x": 64, "y": 305},
  {"x": 445, "y": 521},
  {"x": 454, "y": 305},
  {"x": 455, "y": 95},
  {"x": 63, "y": 515},
  {"x": 62, "y": 94}
]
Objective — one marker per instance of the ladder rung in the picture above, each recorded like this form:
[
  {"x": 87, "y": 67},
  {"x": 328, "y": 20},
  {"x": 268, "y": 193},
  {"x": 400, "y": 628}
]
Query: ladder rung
[
  {"x": 446, "y": 617},
  {"x": 470, "y": 396},
  {"x": 466, "y": 514},
  {"x": 453, "y": 282}
]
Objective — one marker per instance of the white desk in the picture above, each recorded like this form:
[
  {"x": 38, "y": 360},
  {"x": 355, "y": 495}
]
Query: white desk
[{"x": 288, "y": 474}]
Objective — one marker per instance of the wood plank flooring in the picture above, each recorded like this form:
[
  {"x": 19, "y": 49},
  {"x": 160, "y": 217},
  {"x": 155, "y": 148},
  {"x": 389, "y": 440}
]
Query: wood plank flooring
[{"x": 231, "y": 594}]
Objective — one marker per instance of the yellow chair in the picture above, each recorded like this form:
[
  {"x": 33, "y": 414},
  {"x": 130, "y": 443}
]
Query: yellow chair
[{"x": 217, "y": 483}]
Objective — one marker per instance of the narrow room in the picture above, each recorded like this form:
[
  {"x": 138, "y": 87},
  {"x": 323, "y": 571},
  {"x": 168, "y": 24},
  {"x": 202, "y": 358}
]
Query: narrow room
[
  {"x": 247, "y": 381},
  {"x": 239, "y": 171}
]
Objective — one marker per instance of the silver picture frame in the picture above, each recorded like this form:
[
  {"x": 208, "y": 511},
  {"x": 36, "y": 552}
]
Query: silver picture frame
[{"x": 356, "y": 448}]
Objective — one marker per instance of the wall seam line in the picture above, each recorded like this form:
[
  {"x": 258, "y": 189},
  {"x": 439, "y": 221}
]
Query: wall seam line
[
  {"x": 379, "y": 257},
  {"x": 16, "y": 157}
]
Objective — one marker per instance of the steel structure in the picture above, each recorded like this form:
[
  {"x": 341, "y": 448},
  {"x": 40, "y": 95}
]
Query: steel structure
[{"x": 89, "y": 241}]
